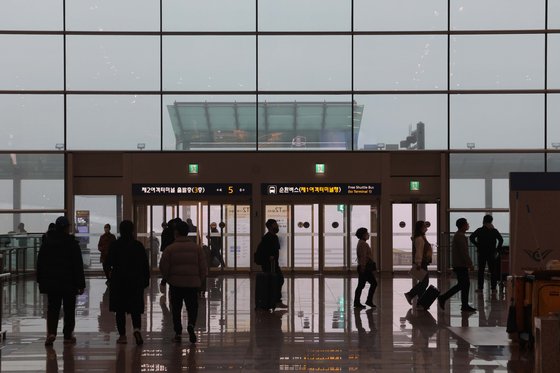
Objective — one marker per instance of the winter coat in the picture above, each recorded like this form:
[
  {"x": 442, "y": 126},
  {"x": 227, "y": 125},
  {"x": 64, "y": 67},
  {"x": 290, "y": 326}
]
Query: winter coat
[
  {"x": 104, "y": 244},
  {"x": 60, "y": 268},
  {"x": 130, "y": 275},
  {"x": 271, "y": 248},
  {"x": 183, "y": 264}
]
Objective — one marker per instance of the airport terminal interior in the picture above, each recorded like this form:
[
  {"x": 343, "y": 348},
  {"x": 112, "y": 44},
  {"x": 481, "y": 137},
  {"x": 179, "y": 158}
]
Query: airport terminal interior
[{"x": 325, "y": 115}]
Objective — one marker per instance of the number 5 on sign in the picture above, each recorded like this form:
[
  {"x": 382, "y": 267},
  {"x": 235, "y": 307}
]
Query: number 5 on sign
[{"x": 230, "y": 189}]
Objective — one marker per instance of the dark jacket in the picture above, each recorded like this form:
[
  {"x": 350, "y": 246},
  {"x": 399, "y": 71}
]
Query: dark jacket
[
  {"x": 167, "y": 237},
  {"x": 130, "y": 275},
  {"x": 460, "y": 251},
  {"x": 271, "y": 247},
  {"x": 60, "y": 268},
  {"x": 485, "y": 239}
]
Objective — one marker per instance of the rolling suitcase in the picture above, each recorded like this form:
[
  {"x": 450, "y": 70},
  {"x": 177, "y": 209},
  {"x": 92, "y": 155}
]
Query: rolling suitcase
[
  {"x": 266, "y": 290},
  {"x": 428, "y": 298}
]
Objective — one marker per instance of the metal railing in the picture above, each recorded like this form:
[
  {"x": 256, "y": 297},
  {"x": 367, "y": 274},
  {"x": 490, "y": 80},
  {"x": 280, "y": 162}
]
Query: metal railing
[{"x": 19, "y": 252}]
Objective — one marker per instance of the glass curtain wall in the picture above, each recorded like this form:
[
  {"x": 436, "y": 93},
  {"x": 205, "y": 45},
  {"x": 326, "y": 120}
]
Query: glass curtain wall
[{"x": 453, "y": 75}]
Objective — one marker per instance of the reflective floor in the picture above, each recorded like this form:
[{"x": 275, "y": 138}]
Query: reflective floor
[{"x": 319, "y": 332}]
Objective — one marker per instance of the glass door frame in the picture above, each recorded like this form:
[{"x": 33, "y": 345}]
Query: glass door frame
[
  {"x": 172, "y": 209},
  {"x": 414, "y": 206},
  {"x": 320, "y": 233}
]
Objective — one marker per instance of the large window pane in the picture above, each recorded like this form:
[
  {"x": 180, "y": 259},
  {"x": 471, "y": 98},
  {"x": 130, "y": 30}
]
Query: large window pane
[
  {"x": 305, "y": 122},
  {"x": 400, "y": 15},
  {"x": 120, "y": 122},
  {"x": 32, "y": 122},
  {"x": 553, "y": 14},
  {"x": 113, "y": 62},
  {"x": 387, "y": 120},
  {"x": 497, "y": 121},
  {"x": 112, "y": 15},
  {"x": 497, "y": 61},
  {"x": 209, "y": 63},
  {"x": 553, "y": 61},
  {"x": 209, "y": 122},
  {"x": 497, "y": 14},
  {"x": 400, "y": 62},
  {"x": 553, "y": 162},
  {"x": 304, "y": 62},
  {"x": 209, "y": 15},
  {"x": 31, "y": 15},
  {"x": 304, "y": 15},
  {"x": 32, "y": 181},
  {"x": 476, "y": 178},
  {"x": 553, "y": 122},
  {"x": 42, "y": 194},
  {"x": 31, "y": 62}
]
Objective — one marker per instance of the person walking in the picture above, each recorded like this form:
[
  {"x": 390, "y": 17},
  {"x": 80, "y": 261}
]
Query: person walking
[
  {"x": 270, "y": 245},
  {"x": 60, "y": 275},
  {"x": 130, "y": 275},
  {"x": 485, "y": 239},
  {"x": 422, "y": 254},
  {"x": 167, "y": 238},
  {"x": 462, "y": 263},
  {"x": 216, "y": 244},
  {"x": 183, "y": 266},
  {"x": 366, "y": 269},
  {"x": 105, "y": 241}
]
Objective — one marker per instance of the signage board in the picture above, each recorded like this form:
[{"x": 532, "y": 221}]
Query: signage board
[
  {"x": 322, "y": 189},
  {"x": 191, "y": 189}
]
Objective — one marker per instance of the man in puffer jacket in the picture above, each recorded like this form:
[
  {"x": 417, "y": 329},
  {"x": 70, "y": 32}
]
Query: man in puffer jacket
[{"x": 183, "y": 266}]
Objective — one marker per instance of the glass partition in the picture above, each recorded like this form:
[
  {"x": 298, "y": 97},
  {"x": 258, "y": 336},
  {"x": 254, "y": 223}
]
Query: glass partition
[
  {"x": 209, "y": 15},
  {"x": 113, "y": 122},
  {"x": 34, "y": 62},
  {"x": 480, "y": 61},
  {"x": 304, "y": 63},
  {"x": 32, "y": 122},
  {"x": 304, "y": 15},
  {"x": 502, "y": 15},
  {"x": 396, "y": 62},
  {"x": 393, "y": 122},
  {"x": 118, "y": 63},
  {"x": 397, "y": 15},
  {"x": 209, "y": 63},
  {"x": 95, "y": 15},
  {"x": 31, "y": 15},
  {"x": 491, "y": 121}
]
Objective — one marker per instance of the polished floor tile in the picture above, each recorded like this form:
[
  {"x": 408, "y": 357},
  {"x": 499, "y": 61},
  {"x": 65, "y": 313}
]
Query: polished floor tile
[{"x": 320, "y": 332}]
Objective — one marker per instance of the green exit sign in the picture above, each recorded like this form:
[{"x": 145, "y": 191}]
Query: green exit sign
[
  {"x": 340, "y": 208},
  {"x": 319, "y": 168},
  {"x": 414, "y": 185},
  {"x": 193, "y": 168}
]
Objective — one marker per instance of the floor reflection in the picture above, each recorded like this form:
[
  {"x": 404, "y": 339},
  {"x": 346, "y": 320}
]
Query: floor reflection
[{"x": 319, "y": 332}]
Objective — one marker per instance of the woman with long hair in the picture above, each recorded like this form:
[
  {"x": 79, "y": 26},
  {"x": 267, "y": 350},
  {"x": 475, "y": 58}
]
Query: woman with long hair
[
  {"x": 421, "y": 256},
  {"x": 130, "y": 275}
]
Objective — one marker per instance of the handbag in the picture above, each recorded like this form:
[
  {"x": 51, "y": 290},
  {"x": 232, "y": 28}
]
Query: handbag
[
  {"x": 371, "y": 266},
  {"x": 417, "y": 274}
]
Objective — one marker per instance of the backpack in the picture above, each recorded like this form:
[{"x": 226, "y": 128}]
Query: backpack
[{"x": 259, "y": 255}]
